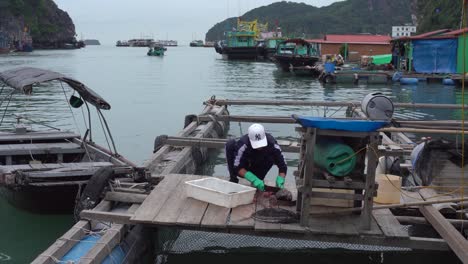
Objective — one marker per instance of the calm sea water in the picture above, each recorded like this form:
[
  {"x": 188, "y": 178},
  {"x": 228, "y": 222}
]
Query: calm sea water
[{"x": 151, "y": 95}]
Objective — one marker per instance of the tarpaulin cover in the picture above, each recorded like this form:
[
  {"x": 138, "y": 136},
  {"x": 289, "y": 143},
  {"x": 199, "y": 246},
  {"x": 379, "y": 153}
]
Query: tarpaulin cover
[
  {"x": 382, "y": 59},
  {"x": 435, "y": 56},
  {"x": 340, "y": 124}
]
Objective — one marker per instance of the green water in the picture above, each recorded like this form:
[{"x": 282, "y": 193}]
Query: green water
[{"x": 151, "y": 95}]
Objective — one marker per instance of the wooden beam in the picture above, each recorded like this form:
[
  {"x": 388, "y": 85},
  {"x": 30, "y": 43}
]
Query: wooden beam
[
  {"x": 331, "y": 103},
  {"x": 125, "y": 197},
  {"x": 121, "y": 218},
  {"x": 414, "y": 220},
  {"x": 217, "y": 143},
  {"x": 446, "y": 230}
]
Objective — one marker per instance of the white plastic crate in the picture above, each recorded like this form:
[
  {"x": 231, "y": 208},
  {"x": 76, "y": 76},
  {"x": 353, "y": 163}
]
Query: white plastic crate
[{"x": 220, "y": 192}]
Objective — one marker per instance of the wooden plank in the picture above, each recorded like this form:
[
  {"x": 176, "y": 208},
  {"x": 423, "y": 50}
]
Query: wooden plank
[
  {"x": 121, "y": 218},
  {"x": 156, "y": 199},
  {"x": 447, "y": 231},
  {"x": 241, "y": 217},
  {"x": 192, "y": 212},
  {"x": 171, "y": 210},
  {"x": 125, "y": 197},
  {"x": 389, "y": 224},
  {"x": 338, "y": 184},
  {"x": 62, "y": 245},
  {"x": 40, "y": 148},
  {"x": 332, "y": 195},
  {"x": 260, "y": 225},
  {"x": 215, "y": 216},
  {"x": 6, "y": 137}
]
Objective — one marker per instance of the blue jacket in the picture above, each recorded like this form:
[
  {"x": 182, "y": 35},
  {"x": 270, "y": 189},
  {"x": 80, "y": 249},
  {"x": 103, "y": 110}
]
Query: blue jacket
[{"x": 259, "y": 160}]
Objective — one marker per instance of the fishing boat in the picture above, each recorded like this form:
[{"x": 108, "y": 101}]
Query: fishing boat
[
  {"x": 196, "y": 43},
  {"x": 268, "y": 47},
  {"x": 156, "y": 50},
  {"x": 44, "y": 168},
  {"x": 296, "y": 53},
  {"x": 241, "y": 44}
]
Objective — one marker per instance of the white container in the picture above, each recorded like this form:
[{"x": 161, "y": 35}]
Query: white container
[
  {"x": 389, "y": 191},
  {"x": 220, "y": 192}
]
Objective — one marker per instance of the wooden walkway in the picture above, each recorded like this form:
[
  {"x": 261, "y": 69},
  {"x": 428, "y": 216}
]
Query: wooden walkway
[{"x": 167, "y": 205}]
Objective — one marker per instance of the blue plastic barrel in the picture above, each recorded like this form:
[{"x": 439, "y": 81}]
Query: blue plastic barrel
[
  {"x": 329, "y": 67},
  {"x": 409, "y": 80},
  {"x": 448, "y": 82}
]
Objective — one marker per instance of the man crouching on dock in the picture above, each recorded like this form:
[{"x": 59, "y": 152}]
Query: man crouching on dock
[{"x": 253, "y": 155}]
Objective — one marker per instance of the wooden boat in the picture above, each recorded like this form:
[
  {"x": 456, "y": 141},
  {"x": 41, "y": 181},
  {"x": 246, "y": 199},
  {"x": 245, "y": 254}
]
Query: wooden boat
[
  {"x": 295, "y": 53},
  {"x": 44, "y": 170}
]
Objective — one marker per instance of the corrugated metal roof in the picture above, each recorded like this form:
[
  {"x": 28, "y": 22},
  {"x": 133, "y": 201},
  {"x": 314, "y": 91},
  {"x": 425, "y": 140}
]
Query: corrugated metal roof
[{"x": 354, "y": 39}]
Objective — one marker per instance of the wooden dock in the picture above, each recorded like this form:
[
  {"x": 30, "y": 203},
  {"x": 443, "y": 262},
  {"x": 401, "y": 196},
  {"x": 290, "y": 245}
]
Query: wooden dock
[{"x": 161, "y": 201}]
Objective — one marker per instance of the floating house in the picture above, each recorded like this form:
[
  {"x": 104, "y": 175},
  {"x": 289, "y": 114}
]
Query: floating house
[
  {"x": 439, "y": 51},
  {"x": 354, "y": 46}
]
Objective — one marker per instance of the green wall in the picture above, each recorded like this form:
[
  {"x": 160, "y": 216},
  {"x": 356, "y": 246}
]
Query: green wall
[{"x": 462, "y": 43}]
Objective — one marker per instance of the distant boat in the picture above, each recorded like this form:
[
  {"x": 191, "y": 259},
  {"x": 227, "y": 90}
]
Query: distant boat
[
  {"x": 295, "y": 53},
  {"x": 157, "y": 50},
  {"x": 122, "y": 43},
  {"x": 196, "y": 43},
  {"x": 167, "y": 43}
]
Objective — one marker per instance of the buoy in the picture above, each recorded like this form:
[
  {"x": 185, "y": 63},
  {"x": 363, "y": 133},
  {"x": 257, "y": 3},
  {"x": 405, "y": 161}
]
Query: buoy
[
  {"x": 448, "y": 82},
  {"x": 409, "y": 80}
]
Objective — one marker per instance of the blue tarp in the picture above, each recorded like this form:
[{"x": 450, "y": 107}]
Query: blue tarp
[
  {"x": 340, "y": 124},
  {"x": 435, "y": 56}
]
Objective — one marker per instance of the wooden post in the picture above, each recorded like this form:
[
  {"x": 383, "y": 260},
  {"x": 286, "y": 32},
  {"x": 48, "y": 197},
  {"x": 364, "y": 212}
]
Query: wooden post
[
  {"x": 370, "y": 181},
  {"x": 308, "y": 175}
]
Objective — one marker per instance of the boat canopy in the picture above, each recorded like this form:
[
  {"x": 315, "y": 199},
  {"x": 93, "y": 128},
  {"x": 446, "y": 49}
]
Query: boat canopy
[{"x": 23, "y": 78}]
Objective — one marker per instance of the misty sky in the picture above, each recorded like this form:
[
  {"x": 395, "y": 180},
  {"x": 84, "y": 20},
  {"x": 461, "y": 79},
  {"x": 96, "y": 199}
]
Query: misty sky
[{"x": 182, "y": 20}]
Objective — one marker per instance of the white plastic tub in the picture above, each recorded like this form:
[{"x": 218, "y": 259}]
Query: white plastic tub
[{"x": 220, "y": 192}]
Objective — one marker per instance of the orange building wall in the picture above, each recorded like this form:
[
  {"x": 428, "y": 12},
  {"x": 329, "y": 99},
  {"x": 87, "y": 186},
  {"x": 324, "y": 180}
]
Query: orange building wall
[{"x": 361, "y": 49}]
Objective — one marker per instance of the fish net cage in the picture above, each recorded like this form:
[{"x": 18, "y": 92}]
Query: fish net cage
[{"x": 169, "y": 241}]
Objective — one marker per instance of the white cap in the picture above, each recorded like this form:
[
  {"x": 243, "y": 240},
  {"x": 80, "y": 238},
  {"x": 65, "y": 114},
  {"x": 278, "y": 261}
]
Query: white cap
[{"x": 257, "y": 136}]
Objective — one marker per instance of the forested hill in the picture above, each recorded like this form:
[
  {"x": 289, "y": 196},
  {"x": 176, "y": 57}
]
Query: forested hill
[
  {"x": 438, "y": 14},
  {"x": 42, "y": 19},
  {"x": 351, "y": 16}
]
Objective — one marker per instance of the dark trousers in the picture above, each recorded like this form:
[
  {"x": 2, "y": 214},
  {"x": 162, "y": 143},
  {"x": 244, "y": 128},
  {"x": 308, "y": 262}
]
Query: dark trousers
[{"x": 259, "y": 167}]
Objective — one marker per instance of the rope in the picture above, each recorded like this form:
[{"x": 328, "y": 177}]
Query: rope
[
  {"x": 462, "y": 178},
  {"x": 6, "y": 108}
]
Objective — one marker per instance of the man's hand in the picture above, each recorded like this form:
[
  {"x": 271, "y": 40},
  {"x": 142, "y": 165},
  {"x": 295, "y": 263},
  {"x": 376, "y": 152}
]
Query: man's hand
[
  {"x": 256, "y": 182},
  {"x": 280, "y": 181}
]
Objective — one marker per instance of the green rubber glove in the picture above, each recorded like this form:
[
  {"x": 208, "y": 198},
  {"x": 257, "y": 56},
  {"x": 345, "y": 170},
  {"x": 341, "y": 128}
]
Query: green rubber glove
[
  {"x": 280, "y": 182},
  {"x": 256, "y": 182}
]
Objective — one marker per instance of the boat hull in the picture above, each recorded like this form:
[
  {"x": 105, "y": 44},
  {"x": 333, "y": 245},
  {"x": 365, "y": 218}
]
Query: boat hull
[
  {"x": 49, "y": 199},
  {"x": 243, "y": 53},
  {"x": 284, "y": 62}
]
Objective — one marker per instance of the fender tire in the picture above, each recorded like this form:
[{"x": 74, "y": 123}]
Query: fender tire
[{"x": 92, "y": 193}]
